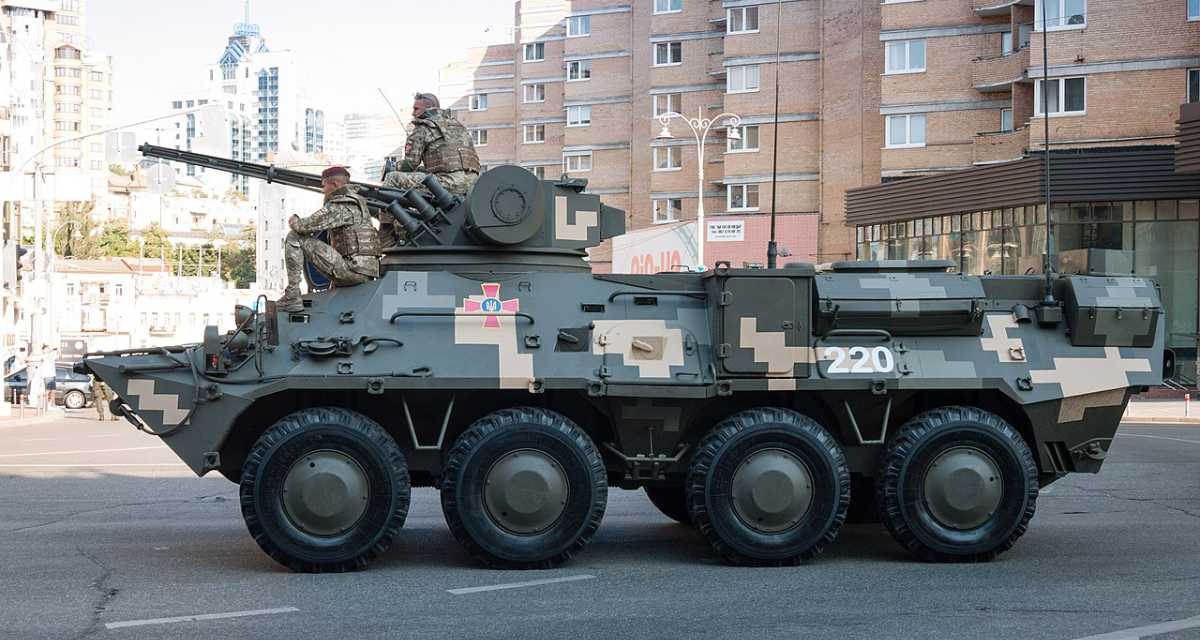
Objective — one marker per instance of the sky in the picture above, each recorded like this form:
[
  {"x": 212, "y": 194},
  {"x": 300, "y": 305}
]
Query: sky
[{"x": 349, "y": 49}]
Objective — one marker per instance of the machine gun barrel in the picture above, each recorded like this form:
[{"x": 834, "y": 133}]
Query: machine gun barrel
[{"x": 268, "y": 172}]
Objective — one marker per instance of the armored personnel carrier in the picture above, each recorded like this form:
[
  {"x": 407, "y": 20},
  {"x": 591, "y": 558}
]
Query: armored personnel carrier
[{"x": 756, "y": 405}]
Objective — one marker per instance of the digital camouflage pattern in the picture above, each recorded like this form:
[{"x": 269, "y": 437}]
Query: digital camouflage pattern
[
  {"x": 352, "y": 254},
  {"x": 440, "y": 145},
  {"x": 494, "y": 307}
]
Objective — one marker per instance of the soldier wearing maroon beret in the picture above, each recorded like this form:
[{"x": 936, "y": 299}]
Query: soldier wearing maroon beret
[{"x": 352, "y": 255}]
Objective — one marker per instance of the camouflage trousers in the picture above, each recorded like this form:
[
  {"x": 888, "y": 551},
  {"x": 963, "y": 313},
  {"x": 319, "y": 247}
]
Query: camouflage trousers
[
  {"x": 458, "y": 183},
  {"x": 299, "y": 248}
]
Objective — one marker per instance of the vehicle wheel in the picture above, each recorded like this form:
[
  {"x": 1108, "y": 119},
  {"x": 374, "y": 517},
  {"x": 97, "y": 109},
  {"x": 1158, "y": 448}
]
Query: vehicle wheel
[
  {"x": 524, "y": 489},
  {"x": 768, "y": 487},
  {"x": 325, "y": 489},
  {"x": 957, "y": 484},
  {"x": 74, "y": 400},
  {"x": 671, "y": 501}
]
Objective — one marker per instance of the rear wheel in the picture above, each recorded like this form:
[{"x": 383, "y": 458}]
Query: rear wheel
[
  {"x": 325, "y": 489},
  {"x": 768, "y": 487},
  {"x": 957, "y": 484},
  {"x": 74, "y": 399},
  {"x": 524, "y": 489},
  {"x": 671, "y": 501}
]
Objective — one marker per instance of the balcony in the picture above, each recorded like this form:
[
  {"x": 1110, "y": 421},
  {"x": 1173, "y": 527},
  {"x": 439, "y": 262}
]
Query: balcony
[
  {"x": 1000, "y": 146},
  {"x": 998, "y": 73},
  {"x": 986, "y": 8}
]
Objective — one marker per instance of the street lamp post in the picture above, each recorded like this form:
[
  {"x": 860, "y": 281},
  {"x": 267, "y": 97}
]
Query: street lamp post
[{"x": 700, "y": 127}]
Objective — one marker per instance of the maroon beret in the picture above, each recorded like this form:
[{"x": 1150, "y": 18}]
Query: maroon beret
[{"x": 335, "y": 171}]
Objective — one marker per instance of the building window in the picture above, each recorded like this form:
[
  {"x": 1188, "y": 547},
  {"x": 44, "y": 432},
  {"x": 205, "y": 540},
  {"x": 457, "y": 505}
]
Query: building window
[
  {"x": 96, "y": 76},
  {"x": 1006, "y": 123},
  {"x": 1067, "y": 96},
  {"x": 578, "y": 26},
  {"x": 904, "y": 56},
  {"x": 741, "y": 197},
  {"x": 579, "y": 116},
  {"x": 177, "y": 104},
  {"x": 540, "y": 172},
  {"x": 742, "y": 79},
  {"x": 1006, "y": 43},
  {"x": 1193, "y": 9},
  {"x": 748, "y": 142},
  {"x": 119, "y": 290},
  {"x": 95, "y": 94},
  {"x": 69, "y": 5},
  {"x": 668, "y": 158},
  {"x": 67, "y": 20},
  {"x": 479, "y": 137},
  {"x": 668, "y": 6},
  {"x": 70, "y": 288},
  {"x": 742, "y": 20},
  {"x": 535, "y": 93},
  {"x": 1060, "y": 14},
  {"x": 668, "y": 103},
  {"x": 577, "y": 162},
  {"x": 667, "y": 210},
  {"x": 1193, "y": 84},
  {"x": 67, "y": 72},
  {"x": 535, "y": 51},
  {"x": 66, "y": 53},
  {"x": 906, "y": 131},
  {"x": 478, "y": 102},
  {"x": 668, "y": 54},
  {"x": 534, "y": 133},
  {"x": 579, "y": 70}
]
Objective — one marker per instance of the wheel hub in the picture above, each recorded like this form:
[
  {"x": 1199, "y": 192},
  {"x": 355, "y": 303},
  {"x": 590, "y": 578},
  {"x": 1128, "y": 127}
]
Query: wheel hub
[
  {"x": 526, "y": 491},
  {"x": 772, "y": 490},
  {"x": 325, "y": 493},
  {"x": 963, "y": 487}
]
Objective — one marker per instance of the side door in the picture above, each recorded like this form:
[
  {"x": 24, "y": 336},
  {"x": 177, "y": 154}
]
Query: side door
[{"x": 765, "y": 326}]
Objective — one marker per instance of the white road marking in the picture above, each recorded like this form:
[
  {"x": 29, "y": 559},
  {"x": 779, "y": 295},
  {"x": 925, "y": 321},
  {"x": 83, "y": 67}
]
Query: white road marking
[
  {"x": 67, "y": 453},
  {"x": 518, "y": 585},
  {"x": 202, "y": 616},
  {"x": 1142, "y": 435},
  {"x": 1149, "y": 630},
  {"x": 98, "y": 465}
]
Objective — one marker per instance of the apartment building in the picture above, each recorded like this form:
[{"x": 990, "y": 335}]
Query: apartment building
[
  {"x": 580, "y": 89},
  {"x": 964, "y": 154},
  {"x": 57, "y": 86}
]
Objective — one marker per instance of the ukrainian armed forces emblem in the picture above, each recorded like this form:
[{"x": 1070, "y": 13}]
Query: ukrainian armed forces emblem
[{"x": 491, "y": 306}]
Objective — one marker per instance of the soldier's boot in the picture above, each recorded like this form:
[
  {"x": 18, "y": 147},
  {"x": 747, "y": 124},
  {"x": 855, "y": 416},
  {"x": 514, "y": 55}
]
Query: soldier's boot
[{"x": 291, "y": 301}]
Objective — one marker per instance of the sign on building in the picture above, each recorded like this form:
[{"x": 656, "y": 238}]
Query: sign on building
[
  {"x": 726, "y": 230},
  {"x": 668, "y": 247}
]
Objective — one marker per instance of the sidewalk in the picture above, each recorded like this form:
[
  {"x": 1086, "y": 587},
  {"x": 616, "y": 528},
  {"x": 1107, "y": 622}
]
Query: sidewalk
[{"x": 1166, "y": 411}]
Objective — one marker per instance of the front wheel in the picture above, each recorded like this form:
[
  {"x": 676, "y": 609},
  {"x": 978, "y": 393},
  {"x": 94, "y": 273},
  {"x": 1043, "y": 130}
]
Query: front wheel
[
  {"x": 524, "y": 489},
  {"x": 957, "y": 484},
  {"x": 325, "y": 489}
]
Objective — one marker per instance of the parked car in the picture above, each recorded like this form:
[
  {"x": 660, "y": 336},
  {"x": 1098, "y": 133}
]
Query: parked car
[{"x": 70, "y": 389}]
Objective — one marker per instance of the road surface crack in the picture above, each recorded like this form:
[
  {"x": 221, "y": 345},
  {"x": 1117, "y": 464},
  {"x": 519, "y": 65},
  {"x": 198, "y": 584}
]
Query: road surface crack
[
  {"x": 108, "y": 508},
  {"x": 107, "y": 593}
]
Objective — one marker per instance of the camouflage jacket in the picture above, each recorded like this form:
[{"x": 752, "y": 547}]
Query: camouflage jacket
[
  {"x": 441, "y": 144},
  {"x": 348, "y": 220}
]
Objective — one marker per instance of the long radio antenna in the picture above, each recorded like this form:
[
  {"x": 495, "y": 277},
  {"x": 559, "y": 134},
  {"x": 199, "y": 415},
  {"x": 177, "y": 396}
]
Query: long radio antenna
[
  {"x": 394, "y": 112},
  {"x": 1049, "y": 265},
  {"x": 772, "y": 247}
]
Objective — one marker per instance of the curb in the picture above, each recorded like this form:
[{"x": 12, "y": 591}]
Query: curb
[{"x": 1160, "y": 420}]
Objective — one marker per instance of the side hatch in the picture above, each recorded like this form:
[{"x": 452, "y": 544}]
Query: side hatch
[{"x": 765, "y": 326}]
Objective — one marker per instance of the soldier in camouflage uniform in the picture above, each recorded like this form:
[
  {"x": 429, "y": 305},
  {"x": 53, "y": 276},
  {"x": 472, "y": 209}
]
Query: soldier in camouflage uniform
[
  {"x": 438, "y": 145},
  {"x": 352, "y": 255}
]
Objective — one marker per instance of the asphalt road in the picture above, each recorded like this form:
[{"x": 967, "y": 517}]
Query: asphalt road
[{"x": 104, "y": 534}]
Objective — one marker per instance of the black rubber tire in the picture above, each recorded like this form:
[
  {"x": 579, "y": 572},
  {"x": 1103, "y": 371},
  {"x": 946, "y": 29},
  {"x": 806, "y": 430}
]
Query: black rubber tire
[
  {"x": 80, "y": 399},
  {"x": 902, "y": 473},
  {"x": 489, "y": 439},
  {"x": 711, "y": 474},
  {"x": 671, "y": 502},
  {"x": 314, "y": 429}
]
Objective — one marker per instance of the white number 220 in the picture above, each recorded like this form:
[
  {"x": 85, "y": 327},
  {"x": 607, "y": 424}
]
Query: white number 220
[{"x": 860, "y": 359}]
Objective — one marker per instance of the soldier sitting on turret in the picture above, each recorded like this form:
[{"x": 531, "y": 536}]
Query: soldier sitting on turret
[
  {"x": 439, "y": 145},
  {"x": 352, "y": 255}
]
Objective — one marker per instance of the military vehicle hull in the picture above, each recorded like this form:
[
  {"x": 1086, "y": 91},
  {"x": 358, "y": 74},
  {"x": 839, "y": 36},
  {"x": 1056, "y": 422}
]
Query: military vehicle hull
[{"x": 756, "y": 405}]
